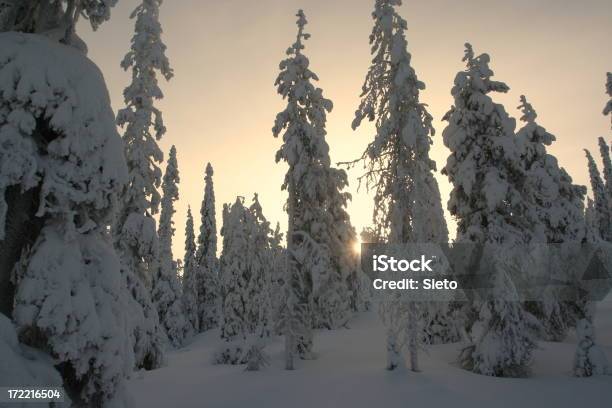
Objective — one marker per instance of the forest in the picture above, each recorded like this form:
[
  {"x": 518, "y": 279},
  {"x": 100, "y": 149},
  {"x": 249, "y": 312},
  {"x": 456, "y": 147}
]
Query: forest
[{"x": 95, "y": 299}]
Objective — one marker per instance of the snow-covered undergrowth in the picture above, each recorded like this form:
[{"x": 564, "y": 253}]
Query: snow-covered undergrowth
[
  {"x": 349, "y": 372},
  {"x": 21, "y": 366}
]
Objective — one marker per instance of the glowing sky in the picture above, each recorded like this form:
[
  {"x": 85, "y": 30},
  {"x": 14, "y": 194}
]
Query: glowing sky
[{"x": 221, "y": 104}]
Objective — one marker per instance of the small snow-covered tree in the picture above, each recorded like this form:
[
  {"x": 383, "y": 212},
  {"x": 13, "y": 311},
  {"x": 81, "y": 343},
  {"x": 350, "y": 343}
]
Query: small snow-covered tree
[
  {"x": 190, "y": 280},
  {"x": 136, "y": 235},
  {"x": 166, "y": 291},
  {"x": 304, "y": 149},
  {"x": 486, "y": 172},
  {"x": 600, "y": 198},
  {"x": 608, "y": 108},
  {"x": 206, "y": 258},
  {"x": 234, "y": 263},
  {"x": 407, "y": 204},
  {"x": 245, "y": 272},
  {"x": 558, "y": 205},
  {"x": 259, "y": 286},
  {"x": 61, "y": 169},
  {"x": 259, "y": 310}
]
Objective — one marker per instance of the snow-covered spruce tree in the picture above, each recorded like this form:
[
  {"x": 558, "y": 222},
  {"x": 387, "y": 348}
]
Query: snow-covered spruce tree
[
  {"x": 485, "y": 170},
  {"x": 166, "y": 292},
  {"x": 333, "y": 302},
  {"x": 259, "y": 286},
  {"x": 135, "y": 231},
  {"x": 234, "y": 273},
  {"x": 245, "y": 269},
  {"x": 558, "y": 205},
  {"x": 259, "y": 309},
  {"x": 61, "y": 168},
  {"x": 190, "y": 278},
  {"x": 206, "y": 258},
  {"x": 307, "y": 181},
  {"x": 600, "y": 198},
  {"x": 407, "y": 204},
  {"x": 608, "y": 108}
]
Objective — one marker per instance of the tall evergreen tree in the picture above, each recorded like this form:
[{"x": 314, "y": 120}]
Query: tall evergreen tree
[
  {"x": 558, "y": 205},
  {"x": 166, "y": 290},
  {"x": 136, "y": 235},
  {"x": 407, "y": 204},
  {"x": 61, "y": 171},
  {"x": 259, "y": 310},
  {"x": 206, "y": 258},
  {"x": 190, "y": 282},
  {"x": 304, "y": 149},
  {"x": 312, "y": 187},
  {"x": 486, "y": 172},
  {"x": 234, "y": 262}
]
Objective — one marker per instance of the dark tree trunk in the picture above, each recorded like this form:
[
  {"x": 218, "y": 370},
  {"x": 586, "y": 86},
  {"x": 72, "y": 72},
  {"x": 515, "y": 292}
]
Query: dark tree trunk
[{"x": 22, "y": 229}]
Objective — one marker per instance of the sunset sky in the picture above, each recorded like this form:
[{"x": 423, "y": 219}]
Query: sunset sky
[{"x": 221, "y": 104}]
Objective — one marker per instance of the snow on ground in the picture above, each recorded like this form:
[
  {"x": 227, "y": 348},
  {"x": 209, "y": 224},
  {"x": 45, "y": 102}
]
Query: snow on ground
[{"x": 349, "y": 372}]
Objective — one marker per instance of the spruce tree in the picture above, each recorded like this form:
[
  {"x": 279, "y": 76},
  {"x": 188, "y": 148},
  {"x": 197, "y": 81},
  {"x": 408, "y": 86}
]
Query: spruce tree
[
  {"x": 333, "y": 303},
  {"x": 600, "y": 198},
  {"x": 234, "y": 263},
  {"x": 407, "y": 204},
  {"x": 190, "y": 282},
  {"x": 166, "y": 292},
  {"x": 206, "y": 258},
  {"x": 136, "y": 235},
  {"x": 62, "y": 299},
  {"x": 558, "y": 205},
  {"x": 486, "y": 172},
  {"x": 259, "y": 310},
  {"x": 304, "y": 149}
]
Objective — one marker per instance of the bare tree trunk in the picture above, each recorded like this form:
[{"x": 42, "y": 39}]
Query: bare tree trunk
[
  {"x": 290, "y": 276},
  {"x": 413, "y": 341},
  {"x": 394, "y": 356},
  {"x": 22, "y": 229}
]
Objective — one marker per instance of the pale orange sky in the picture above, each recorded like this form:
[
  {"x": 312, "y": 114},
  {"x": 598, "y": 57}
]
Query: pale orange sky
[{"x": 221, "y": 104}]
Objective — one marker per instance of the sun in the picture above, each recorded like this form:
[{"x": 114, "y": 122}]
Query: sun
[{"x": 357, "y": 246}]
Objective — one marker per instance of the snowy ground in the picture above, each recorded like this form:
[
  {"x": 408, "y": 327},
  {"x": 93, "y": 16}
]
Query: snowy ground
[{"x": 349, "y": 372}]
